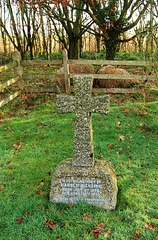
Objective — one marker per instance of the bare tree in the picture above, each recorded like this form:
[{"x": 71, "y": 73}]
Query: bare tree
[{"x": 23, "y": 29}]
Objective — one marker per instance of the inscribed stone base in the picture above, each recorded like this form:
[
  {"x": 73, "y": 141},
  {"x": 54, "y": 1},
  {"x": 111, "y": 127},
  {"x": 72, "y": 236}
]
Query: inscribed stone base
[{"x": 97, "y": 185}]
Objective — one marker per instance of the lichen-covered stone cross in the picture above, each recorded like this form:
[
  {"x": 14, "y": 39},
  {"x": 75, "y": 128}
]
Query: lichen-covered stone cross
[{"x": 83, "y": 105}]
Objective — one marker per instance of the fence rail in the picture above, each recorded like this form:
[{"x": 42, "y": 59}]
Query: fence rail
[
  {"x": 41, "y": 62},
  {"x": 9, "y": 82},
  {"x": 18, "y": 69},
  {"x": 10, "y": 98},
  {"x": 121, "y": 77},
  {"x": 112, "y": 62},
  {"x": 8, "y": 66}
]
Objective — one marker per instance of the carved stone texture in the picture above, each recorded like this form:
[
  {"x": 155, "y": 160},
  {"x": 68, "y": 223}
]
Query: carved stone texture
[
  {"x": 83, "y": 105},
  {"x": 97, "y": 185}
]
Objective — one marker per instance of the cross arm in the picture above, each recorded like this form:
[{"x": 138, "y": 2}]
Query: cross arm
[
  {"x": 65, "y": 104},
  {"x": 100, "y": 104}
]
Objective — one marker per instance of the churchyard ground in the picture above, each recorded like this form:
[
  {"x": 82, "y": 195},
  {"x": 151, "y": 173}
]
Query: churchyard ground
[{"x": 34, "y": 139}]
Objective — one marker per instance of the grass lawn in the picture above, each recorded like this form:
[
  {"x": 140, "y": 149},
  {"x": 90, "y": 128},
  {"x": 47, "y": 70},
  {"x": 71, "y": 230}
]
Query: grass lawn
[{"x": 34, "y": 140}]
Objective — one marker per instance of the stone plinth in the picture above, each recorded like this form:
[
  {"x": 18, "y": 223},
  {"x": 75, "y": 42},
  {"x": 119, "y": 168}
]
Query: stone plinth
[{"x": 97, "y": 185}]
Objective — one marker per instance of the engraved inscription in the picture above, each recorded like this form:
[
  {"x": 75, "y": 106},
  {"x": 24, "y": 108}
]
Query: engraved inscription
[
  {"x": 76, "y": 189},
  {"x": 73, "y": 200}
]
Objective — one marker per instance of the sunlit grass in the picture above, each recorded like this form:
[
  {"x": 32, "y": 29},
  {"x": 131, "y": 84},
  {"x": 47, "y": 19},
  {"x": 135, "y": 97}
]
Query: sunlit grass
[{"x": 34, "y": 140}]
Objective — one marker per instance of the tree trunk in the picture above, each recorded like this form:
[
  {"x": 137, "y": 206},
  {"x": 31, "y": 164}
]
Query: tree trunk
[
  {"x": 74, "y": 49},
  {"x": 111, "y": 47},
  {"x": 4, "y": 42},
  {"x": 30, "y": 42},
  {"x": 98, "y": 38}
]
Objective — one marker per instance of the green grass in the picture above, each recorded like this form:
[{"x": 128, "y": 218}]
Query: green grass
[{"x": 44, "y": 139}]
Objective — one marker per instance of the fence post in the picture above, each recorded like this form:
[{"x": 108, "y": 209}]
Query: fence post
[
  {"x": 19, "y": 69},
  {"x": 66, "y": 72}
]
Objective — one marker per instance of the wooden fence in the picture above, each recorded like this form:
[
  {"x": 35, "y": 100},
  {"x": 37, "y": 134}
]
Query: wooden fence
[
  {"x": 18, "y": 65},
  {"x": 18, "y": 69}
]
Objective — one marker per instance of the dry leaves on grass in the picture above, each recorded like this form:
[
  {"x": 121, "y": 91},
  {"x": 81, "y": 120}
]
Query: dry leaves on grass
[
  {"x": 123, "y": 218},
  {"x": 149, "y": 226},
  {"x": 19, "y": 220},
  {"x": 121, "y": 138},
  {"x": 97, "y": 231},
  {"x": 87, "y": 218},
  {"x": 49, "y": 224},
  {"x": 107, "y": 233},
  {"x": 118, "y": 124},
  {"x": 17, "y": 147},
  {"x": 110, "y": 145},
  {"x": 67, "y": 224},
  {"x": 41, "y": 184}
]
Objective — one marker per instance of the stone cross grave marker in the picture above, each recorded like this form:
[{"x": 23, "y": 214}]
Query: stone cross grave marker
[
  {"x": 83, "y": 177},
  {"x": 83, "y": 105}
]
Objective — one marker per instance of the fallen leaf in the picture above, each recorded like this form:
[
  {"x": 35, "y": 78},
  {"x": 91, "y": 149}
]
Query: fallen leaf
[
  {"x": 110, "y": 145},
  {"x": 19, "y": 220},
  {"x": 45, "y": 220},
  {"x": 17, "y": 147},
  {"x": 87, "y": 218},
  {"x": 49, "y": 211},
  {"x": 11, "y": 179},
  {"x": 10, "y": 167},
  {"x": 55, "y": 226},
  {"x": 121, "y": 164},
  {"x": 144, "y": 111},
  {"x": 137, "y": 233},
  {"x": 70, "y": 205},
  {"x": 121, "y": 138},
  {"x": 144, "y": 179},
  {"x": 134, "y": 186},
  {"x": 41, "y": 184},
  {"x": 1, "y": 188},
  {"x": 86, "y": 229},
  {"x": 27, "y": 212},
  {"x": 39, "y": 192},
  {"x": 41, "y": 205},
  {"x": 134, "y": 238},
  {"x": 49, "y": 224},
  {"x": 123, "y": 218},
  {"x": 118, "y": 124},
  {"x": 97, "y": 231},
  {"x": 58, "y": 238},
  {"x": 107, "y": 233},
  {"x": 155, "y": 217},
  {"x": 149, "y": 226},
  {"x": 147, "y": 210},
  {"x": 67, "y": 224},
  {"x": 59, "y": 211}
]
